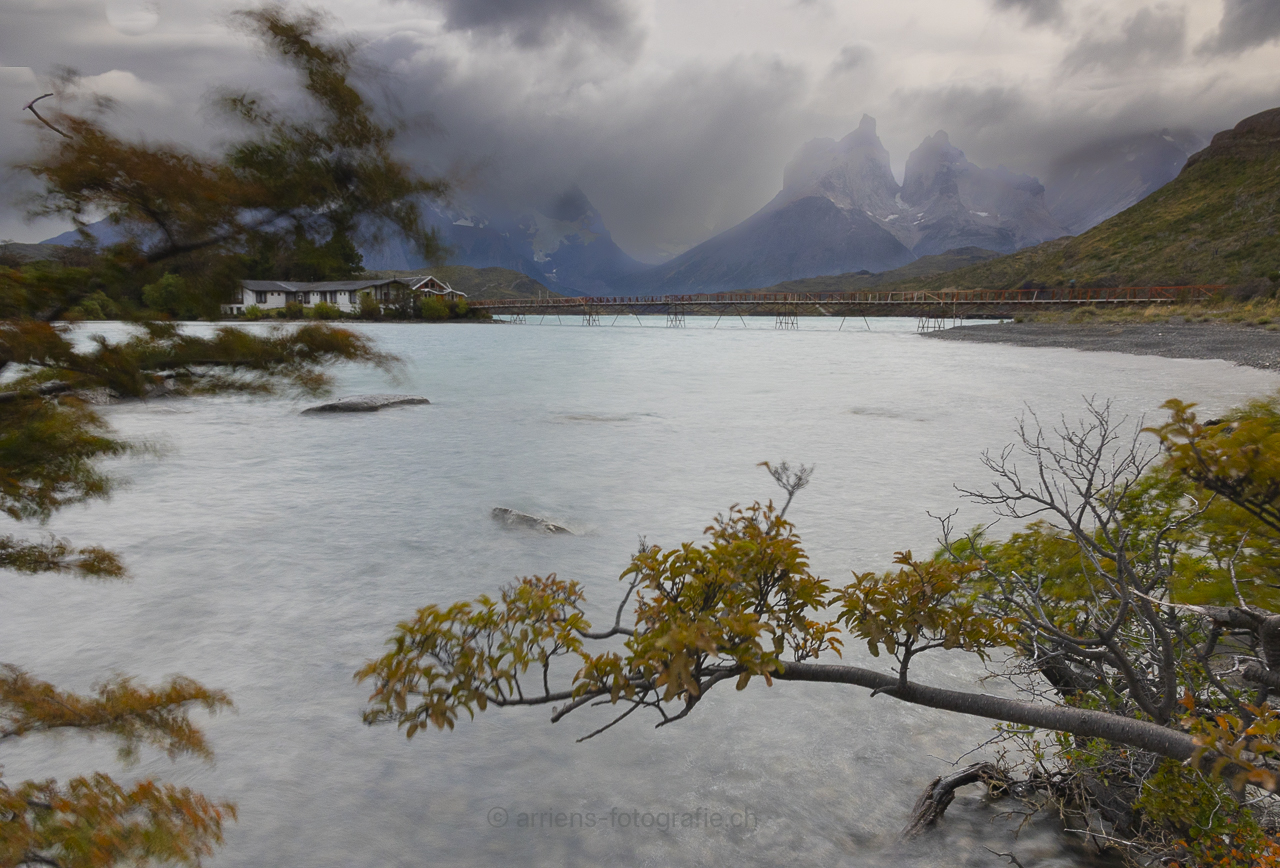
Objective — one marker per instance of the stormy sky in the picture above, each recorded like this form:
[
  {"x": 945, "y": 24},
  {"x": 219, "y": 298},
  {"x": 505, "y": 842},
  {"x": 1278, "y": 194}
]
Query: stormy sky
[{"x": 676, "y": 117}]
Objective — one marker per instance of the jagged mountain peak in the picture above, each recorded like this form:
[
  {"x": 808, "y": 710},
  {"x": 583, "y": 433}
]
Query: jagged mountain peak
[
  {"x": 935, "y": 159},
  {"x": 853, "y": 172},
  {"x": 999, "y": 209},
  {"x": 865, "y": 131}
]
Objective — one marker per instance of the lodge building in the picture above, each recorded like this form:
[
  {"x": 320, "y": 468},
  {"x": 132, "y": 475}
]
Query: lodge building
[{"x": 342, "y": 294}]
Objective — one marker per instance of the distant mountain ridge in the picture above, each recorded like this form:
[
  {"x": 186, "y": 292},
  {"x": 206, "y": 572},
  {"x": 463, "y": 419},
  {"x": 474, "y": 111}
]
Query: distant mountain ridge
[
  {"x": 563, "y": 244},
  {"x": 841, "y": 210}
]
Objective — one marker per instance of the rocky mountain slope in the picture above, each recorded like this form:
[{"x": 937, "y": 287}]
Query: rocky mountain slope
[
  {"x": 563, "y": 244},
  {"x": 840, "y": 210},
  {"x": 1097, "y": 182},
  {"x": 1218, "y": 222}
]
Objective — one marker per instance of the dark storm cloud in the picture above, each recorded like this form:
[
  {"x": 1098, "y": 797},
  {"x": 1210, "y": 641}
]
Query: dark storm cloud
[
  {"x": 1035, "y": 11},
  {"x": 669, "y": 159},
  {"x": 687, "y": 134},
  {"x": 1154, "y": 36},
  {"x": 535, "y": 23},
  {"x": 1027, "y": 131},
  {"x": 1245, "y": 24}
]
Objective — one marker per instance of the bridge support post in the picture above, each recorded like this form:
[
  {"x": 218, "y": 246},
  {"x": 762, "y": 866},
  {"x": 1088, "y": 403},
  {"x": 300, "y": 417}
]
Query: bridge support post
[
  {"x": 590, "y": 317},
  {"x": 517, "y": 318},
  {"x": 675, "y": 319},
  {"x": 931, "y": 323},
  {"x": 787, "y": 321}
]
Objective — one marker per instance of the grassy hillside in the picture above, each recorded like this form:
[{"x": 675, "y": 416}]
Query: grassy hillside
[
  {"x": 1218, "y": 222},
  {"x": 15, "y": 253},
  {"x": 479, "y": 283},
  {"x": 925, "y": 266}
]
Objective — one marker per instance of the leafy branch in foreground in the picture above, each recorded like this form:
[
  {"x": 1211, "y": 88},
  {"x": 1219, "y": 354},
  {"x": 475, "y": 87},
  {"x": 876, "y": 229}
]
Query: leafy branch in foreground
[
  {"x": 292, "y": 193},
  {"x": 1088, "y": 609},
  {"x": 94, "y": 821}
]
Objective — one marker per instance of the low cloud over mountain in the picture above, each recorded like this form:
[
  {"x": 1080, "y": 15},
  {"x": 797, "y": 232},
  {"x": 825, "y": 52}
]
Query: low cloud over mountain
[
  {"x": 841, "y": 210},
  {"x": 1089, "y": 185}
]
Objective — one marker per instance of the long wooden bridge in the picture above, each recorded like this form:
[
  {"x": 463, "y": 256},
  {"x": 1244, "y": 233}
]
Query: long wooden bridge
[{"x": 926, "y": 305}]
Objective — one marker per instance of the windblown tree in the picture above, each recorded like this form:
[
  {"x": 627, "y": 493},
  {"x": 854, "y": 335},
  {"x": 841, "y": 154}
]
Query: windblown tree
[
  {"x": 1134, "y": 610},
  {"x": 299, "y": 188},
  {"x": 294, "y": 181}
]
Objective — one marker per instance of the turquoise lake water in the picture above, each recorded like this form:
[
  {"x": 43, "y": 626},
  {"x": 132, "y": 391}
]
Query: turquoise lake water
[{"x": 272, "y": 553}]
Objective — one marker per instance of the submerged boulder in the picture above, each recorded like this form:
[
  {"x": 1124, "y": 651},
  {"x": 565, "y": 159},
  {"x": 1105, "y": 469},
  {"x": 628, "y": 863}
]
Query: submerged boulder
[
  {"x": 366, "y": 403},
  {"x": 511, "y": 518}
]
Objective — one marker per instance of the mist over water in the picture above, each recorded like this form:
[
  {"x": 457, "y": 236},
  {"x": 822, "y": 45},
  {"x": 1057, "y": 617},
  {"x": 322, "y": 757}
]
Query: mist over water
[{"x": 272, "y": 553}]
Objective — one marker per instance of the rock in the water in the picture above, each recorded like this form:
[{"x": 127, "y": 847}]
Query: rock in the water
[
  {"x": 365, "y": 403},
  {"x": 511, "y": 518}
]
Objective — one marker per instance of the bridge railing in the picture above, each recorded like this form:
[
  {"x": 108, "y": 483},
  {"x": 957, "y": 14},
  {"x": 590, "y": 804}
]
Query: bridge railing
[{"x": 940, "y": 297}]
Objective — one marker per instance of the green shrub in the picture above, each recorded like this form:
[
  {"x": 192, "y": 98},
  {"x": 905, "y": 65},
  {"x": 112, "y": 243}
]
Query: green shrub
[
  {"x": 433, "y": 308},
  {"x": 369, "y": 307},
  {"x": 96, "y": 306},
  {"x": 294, "y": 310},
  {"x": 253, "y": 312},
  {"x": 1200, "y": 814},
  {"x": 325, "y": 310},
  {"x": 171, "y": 296}
]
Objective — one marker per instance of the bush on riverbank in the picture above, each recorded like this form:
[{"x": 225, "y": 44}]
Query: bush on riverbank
[
  {"x": 1136, "y": 611},
  {"x": 1254, "y": 304}
]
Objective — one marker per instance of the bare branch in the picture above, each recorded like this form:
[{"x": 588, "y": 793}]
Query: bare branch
[{"x": 31, "y": 107}]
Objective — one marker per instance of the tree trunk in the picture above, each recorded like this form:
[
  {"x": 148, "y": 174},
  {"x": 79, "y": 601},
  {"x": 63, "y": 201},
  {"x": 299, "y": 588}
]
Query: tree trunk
[{"x": 1141, "y": 734}]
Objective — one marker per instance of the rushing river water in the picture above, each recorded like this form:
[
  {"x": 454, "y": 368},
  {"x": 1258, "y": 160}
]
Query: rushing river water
[{"x": 272, "y": 553}]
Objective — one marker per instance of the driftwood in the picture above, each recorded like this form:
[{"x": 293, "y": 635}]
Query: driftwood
[{"x": 940, "y": 793}]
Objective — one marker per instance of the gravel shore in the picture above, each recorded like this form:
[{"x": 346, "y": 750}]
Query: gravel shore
[{"x": 1245, "y": 345}]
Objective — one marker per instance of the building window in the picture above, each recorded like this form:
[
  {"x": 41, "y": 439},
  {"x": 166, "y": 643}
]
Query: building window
[{"x": 260, "y": 297}]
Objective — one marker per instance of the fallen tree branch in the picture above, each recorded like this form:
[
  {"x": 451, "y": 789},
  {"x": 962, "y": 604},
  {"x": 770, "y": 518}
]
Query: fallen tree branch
[
  {"x": 1255, "y": 673},
  {"x": 55, "y": 387}
]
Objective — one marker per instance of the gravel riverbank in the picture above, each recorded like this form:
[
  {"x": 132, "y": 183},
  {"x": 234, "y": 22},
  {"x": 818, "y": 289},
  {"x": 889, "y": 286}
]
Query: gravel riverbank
[{"x": 1253, "y": 346}]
